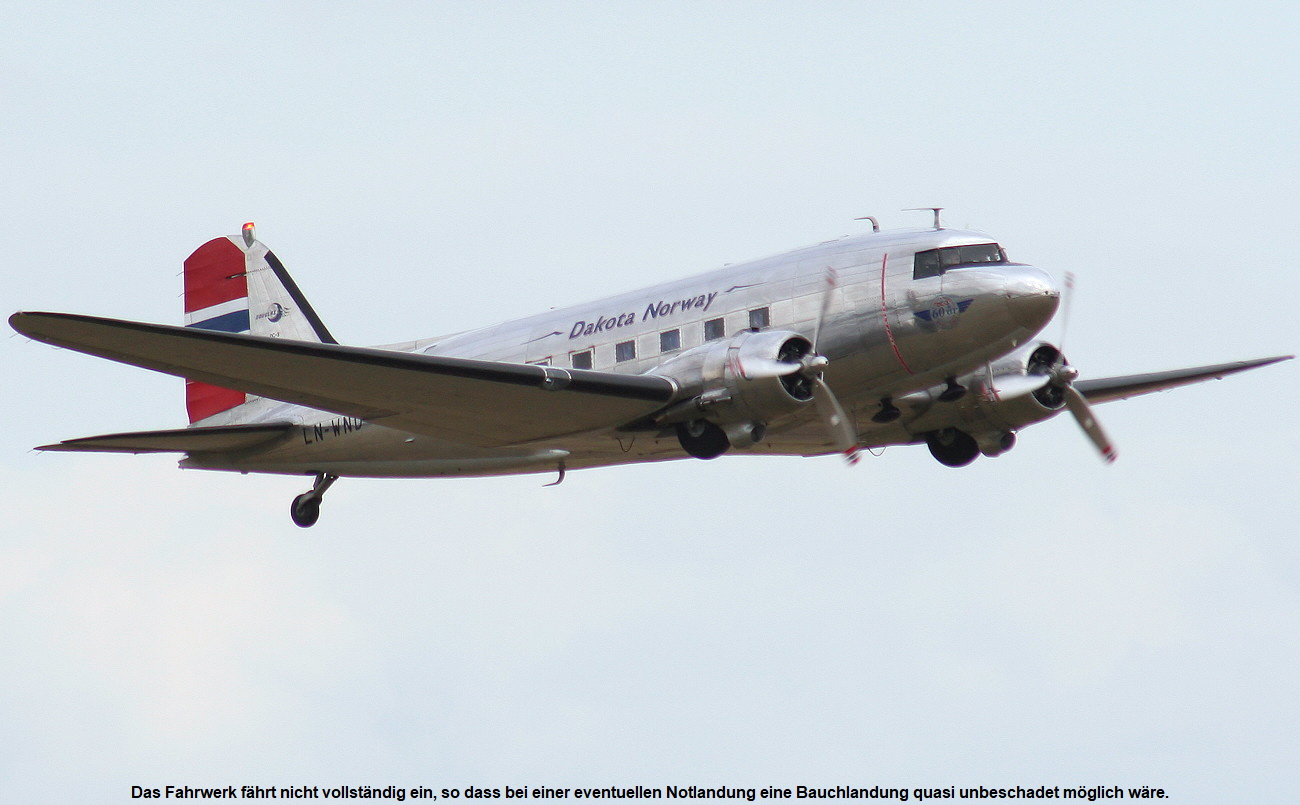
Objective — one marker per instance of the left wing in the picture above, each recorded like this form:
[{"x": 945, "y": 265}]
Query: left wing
[
  {"x": 1105, "y": 389},
  {"x": 483, "y": 403}
]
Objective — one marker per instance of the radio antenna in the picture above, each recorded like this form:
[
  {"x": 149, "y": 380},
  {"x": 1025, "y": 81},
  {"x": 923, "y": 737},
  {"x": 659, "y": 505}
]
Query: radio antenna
[{"x": 935, "y": 210}]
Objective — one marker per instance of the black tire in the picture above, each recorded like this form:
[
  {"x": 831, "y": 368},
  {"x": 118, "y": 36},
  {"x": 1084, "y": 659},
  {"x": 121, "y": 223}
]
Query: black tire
[
  {"x": 305, "y": 510},
  {"x": 702, "y": 439},
  {"x": 952, "y": 447}
]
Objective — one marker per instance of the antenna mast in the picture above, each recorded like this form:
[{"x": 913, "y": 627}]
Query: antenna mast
[{"x": 935, "y": 210}]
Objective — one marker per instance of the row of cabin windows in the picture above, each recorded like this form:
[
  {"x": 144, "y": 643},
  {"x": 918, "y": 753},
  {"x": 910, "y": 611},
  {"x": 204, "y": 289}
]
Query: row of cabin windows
[
  {"x": 671, "y": 340},
  {"x": 930, "y": 263}
]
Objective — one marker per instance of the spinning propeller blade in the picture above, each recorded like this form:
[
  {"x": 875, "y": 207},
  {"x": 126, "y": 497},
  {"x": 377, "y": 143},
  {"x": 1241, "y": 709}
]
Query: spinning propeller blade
[
  {"x": 1064, "y": 376},
  {"x": 838, "y": 425},
  {"x": 760, "y": 368},
  {"x": 843, "y": 435},
  {"x": 1082, "y": 412},
  {"x": 1008, "y": 387}
]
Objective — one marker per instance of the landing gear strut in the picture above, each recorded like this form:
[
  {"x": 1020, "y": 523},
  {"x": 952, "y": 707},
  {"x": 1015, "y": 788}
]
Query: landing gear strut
[{"x": 305, "y": 509}]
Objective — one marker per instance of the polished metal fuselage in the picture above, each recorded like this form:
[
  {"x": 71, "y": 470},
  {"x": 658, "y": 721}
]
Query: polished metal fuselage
[{"x": 885, "y": 334}]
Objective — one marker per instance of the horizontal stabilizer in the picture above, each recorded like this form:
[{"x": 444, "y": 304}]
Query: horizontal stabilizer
[
  {"x": 1105, "y": 389},
  {"x": 218, "y": 439},
  {"x": 484, "y": 403}
]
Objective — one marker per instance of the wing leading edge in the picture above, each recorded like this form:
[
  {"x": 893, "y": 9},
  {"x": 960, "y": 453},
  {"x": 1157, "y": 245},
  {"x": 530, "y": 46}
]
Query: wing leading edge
[{"x": 482, "y": 403}]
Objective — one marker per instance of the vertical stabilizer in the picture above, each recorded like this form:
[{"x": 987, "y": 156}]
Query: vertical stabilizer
[{"x": 236, "y": 285}]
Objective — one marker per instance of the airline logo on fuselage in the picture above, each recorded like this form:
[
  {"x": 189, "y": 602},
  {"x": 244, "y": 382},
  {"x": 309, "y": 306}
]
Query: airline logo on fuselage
[
  {"x": 943, "y": 311},
  {"x": 660, "y": 309}
]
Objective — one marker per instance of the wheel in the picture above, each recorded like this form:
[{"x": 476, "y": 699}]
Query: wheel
[
  {"x": 952, "y": 447},
  {"x": 702, "y": 439},
  {"x": 305, "y": 510}
]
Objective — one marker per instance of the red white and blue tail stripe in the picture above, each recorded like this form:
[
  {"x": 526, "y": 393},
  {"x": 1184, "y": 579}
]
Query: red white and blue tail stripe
[
  {"x": 236, "y": 285},
  {"x": 216, "y": 298}
]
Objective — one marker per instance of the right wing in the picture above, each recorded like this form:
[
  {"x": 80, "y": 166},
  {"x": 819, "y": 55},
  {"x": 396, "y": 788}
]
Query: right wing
[
  {"x": 217, "y": 438},
  {"x": 483, "y": 403}
]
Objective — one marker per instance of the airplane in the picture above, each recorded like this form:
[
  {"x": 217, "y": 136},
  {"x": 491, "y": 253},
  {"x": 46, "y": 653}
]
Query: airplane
[{"x": 896, "y": 337}]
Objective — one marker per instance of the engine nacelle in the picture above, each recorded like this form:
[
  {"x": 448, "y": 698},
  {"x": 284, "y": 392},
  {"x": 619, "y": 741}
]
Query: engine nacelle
[
  {"x": 1026, "y": 409},
  {"x": 735, "y": 386},
  {"x": 988, "y": 417}
]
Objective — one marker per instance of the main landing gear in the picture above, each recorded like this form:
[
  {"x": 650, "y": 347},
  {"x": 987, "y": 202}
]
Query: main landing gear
[
  {"x": 701, "y": 438},
  {"x": 305, "y": 509},
  {"x": 952, "y": 447}
]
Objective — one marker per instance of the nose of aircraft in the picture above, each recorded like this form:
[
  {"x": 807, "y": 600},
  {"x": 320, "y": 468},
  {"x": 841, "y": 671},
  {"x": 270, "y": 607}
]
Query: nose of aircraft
[{"x": 1030, "y": 296}]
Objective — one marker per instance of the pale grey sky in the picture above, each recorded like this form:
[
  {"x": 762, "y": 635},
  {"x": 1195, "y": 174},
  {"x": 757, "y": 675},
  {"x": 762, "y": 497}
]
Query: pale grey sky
[{"x": 1036, "y": 619}]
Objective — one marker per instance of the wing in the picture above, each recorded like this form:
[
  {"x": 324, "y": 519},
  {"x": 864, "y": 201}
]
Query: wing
[
  {"x": 219, "y": 438},
  {"x": 1105, "y": 389},
  {"x": 476, "y": 402}
]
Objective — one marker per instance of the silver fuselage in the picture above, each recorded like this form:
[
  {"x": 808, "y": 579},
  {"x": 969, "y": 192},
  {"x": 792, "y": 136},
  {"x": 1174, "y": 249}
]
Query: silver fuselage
[{"x": 887, "y": 333}]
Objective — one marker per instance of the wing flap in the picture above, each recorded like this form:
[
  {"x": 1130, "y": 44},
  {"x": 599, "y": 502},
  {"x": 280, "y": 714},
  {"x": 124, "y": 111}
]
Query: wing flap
[
  {"x": 483, "y": 403},
  {"x": 1105, "y": 389},
  {"x": 216, "y": 439}
]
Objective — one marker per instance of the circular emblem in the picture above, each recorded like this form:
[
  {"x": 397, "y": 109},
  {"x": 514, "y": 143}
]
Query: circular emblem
[
  {"x": 943, "y": 311},
  {"x": 275, "y": 312}
]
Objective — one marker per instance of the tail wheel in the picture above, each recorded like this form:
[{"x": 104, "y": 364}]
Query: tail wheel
[
  {"x": 305, "y": 510},
  {"x": 952, "y": 447},
  {"x": 702, "y": 439}
]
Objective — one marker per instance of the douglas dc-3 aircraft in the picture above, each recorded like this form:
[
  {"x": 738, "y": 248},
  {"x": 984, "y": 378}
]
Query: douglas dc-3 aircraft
[{"x": 883, "y": 338}]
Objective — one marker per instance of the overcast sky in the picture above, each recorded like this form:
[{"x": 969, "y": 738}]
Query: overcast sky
[{"x": 1039, "y": 618}]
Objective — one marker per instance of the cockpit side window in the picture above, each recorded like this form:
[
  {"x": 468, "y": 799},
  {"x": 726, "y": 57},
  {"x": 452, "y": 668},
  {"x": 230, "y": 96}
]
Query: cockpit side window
[
  {"x": 926, "y": 265},
  {"x": 933, "y": 262}
]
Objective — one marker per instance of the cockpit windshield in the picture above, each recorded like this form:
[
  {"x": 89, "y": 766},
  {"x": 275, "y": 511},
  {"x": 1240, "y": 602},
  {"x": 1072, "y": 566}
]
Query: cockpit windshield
[{"x": 933, "y": 262}]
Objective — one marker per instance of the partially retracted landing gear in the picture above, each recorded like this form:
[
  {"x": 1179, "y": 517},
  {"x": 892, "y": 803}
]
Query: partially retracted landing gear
[
  {"x": 952, "y": 447},
  {"x": 305, "y": 509},
  {"x": 702, "y": 439}
]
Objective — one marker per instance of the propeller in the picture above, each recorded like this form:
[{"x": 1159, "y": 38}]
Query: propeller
[
  {"x": 811, "y": 365},
  {"x": 760, "y": 368},
  {"x": 1062, "y": 376},
  {"x": 843, "y": 435},
  {"x": 1008, "y": 387},
  {"x": 1078, "y": 406}
]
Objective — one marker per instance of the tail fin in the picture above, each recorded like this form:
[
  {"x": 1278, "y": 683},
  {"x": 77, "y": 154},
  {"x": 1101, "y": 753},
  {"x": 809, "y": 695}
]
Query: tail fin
[{"x": 237, "y": 285}]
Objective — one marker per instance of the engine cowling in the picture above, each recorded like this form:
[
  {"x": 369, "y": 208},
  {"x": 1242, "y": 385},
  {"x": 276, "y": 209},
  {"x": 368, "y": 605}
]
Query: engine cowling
[
  {"x": 1039, "y": 390},
  {"x": 1024, "y": 409},
  {"x": 735, "y": 387}
]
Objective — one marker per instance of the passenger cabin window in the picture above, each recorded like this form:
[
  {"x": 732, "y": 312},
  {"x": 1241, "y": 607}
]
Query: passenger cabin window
[
  {"x": 582, "y": 360},
  {"x": 933, "y": 262},
  {"x": 670, "y": 340},
  {"x": 758, "y": 319},
  {"x": 624, "y": 351},
  {"x": 714, "y": 329}
]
